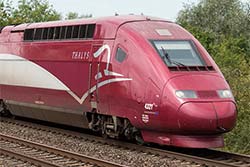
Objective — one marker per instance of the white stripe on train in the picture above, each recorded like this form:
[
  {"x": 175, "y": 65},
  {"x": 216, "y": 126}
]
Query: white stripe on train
[{"x": 17, "y": 71}]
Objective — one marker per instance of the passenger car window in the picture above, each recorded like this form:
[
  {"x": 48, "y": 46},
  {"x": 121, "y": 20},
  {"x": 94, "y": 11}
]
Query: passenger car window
[
  {"x": 38, "y": 34},
  {"x": 45, "y": 33},
  {"x": 120, "y": 55},
  {"x": 73, "y": 32}
]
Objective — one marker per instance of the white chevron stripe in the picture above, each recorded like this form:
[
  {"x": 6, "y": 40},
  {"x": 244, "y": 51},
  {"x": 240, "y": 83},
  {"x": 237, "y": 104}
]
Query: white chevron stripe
[
  {"x": 106, "y": 71},
  {"x": 81, "y": 100},
  {"x": 17, "y": 71}
]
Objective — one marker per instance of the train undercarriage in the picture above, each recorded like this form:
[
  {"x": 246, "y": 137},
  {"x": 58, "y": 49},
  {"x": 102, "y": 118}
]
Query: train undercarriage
[
  {"x": 3, "y": 109},
  {"x": 113, "y": 127},
  {"x": 105, "y": 125}
]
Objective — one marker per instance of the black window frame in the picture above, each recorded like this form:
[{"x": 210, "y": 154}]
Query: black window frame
[
  {"x": 36, "y": 33},
  {"x": 1, "y": 28},
  {"x": 45, "y": 33},
  {"x": 83, "y": 31},
  {"x": 51, "y": 32},
  {"x": 75, "y": 32},
  {"x": 69, "y": 30},
  {"x": 90, "y": 31},
  {"x": 59, "y": 33},
  {"x": 63, "y": 33},
  {"x": 28, "y": 36}
]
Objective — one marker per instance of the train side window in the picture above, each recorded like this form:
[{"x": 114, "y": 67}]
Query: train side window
[
  {"x": 69, "y": 32},
  {"x": 75, "y": 32},
  {"x": 45, "y": 33},
  {"x": 120, "y": 55},
  {"x": 82, "y": 32},
  {"x": 57, "y": 33},
  {"x": 28, "y": 34},
  {"x": 1, "y": 28},
  {"x": 51, "y": 33},
  {"x": 90, "y": 31},
  {"x": 38, "y": 34},
  {"x": 62, "y": 33}
]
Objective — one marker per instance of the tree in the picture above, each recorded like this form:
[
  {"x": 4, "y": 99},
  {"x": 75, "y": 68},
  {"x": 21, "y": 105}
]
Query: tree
[
  {"x": 34, "y": 11},
  {"x": 223, "y": 19},
  {"x": 223, "y": 28},
  {"x": 5, "y": 12},
  {"x": 74, "y": 15},
  {"x": 226, "y": 17},
  {"x": 27, "y": 11}
]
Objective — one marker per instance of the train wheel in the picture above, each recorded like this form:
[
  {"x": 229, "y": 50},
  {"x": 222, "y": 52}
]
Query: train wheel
[
  {"x": 138, "y": 138},
  {"x": 103, "y": 131},
  {"x": 4, "y": 112}
]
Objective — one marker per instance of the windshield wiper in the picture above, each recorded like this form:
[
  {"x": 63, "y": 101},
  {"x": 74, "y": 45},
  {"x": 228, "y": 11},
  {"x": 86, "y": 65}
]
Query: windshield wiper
[
  {"x": 166, "y": 55},
  {"x": 178, "y": 63},
  {"x": 171, "y": 61}
]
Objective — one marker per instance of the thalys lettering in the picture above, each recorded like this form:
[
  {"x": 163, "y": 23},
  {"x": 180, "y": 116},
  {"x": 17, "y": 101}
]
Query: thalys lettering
[
  {"x": 134, "y": 77},
  {"x": 80, "y": 55}
]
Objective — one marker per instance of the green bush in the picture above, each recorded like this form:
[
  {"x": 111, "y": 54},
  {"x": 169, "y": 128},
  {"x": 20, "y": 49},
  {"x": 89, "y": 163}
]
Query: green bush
[
  {"x": 225, "y": 34},
  {"x": 232, "y": 61}
]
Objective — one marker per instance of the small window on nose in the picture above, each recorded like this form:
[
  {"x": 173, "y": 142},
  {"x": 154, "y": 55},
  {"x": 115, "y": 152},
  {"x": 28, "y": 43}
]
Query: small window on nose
[{"x": 120, "y": 55}]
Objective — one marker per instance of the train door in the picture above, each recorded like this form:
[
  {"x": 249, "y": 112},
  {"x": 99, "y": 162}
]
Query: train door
[
  {"x": 94, "y": 79},
  {"x": 120, "y": 91},
  {"x": 98, "y": 64},
  {"x": 99, "y": 78}
]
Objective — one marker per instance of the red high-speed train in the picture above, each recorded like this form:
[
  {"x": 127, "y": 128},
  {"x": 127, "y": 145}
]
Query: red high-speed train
[{"x": 137, "y": 77}]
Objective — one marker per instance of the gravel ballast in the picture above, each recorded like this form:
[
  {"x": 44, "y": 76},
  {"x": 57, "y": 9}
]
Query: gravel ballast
[{"x": 106, "y": 152}]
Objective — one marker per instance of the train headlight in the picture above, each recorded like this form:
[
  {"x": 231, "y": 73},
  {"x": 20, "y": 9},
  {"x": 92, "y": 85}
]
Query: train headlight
[
  {"x": 186, "y": 94},
  {"x": 225, "y": 93}
]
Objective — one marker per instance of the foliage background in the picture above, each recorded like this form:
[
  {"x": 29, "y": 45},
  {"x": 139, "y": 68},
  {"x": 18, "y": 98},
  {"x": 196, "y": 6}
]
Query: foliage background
[{"x": 222, "y": 26}]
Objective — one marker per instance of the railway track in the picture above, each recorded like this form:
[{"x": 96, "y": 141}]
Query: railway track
[
  {"x": 222, "y": 158},
  {"x": 187, "y": 157},
  {"x": 205, "y": 157},
  {"x": 8, "y": 160},
  {"x": 46, "y": 156}
]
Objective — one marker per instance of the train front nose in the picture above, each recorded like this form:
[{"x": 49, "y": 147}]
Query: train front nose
[
  {"x": 201, "y": 104},
  {"x": 207, "y": 117}
]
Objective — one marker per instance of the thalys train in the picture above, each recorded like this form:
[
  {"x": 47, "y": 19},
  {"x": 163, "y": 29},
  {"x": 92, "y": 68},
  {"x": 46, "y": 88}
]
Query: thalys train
[{"x": 137, "y": 77}]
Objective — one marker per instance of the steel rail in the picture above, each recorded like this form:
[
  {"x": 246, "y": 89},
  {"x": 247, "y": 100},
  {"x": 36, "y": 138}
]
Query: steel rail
[
  {"x": 55, "y": 151},
  {"x": 205, "y": 157},
  {"x": 239, "y": 157},
  {"x": 24, "y": 158}
]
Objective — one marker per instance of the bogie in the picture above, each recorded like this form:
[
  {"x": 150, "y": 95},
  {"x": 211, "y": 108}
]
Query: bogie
[
  {"x": 3, "y": 109},
  {"x": 112, "y": 126}
]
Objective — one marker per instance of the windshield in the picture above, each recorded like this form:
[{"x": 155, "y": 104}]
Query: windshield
[{"x": 178, "y": 53}]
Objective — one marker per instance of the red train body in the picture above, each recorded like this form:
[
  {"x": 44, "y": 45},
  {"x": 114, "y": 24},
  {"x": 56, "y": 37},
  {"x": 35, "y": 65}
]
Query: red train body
[{"x": 134, "y": 76}]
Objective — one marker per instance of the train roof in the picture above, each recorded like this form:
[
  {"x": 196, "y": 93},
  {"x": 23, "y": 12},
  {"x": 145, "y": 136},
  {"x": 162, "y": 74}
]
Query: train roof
[
  {"x": 115, "y": 20},
  {"x": 107, "y": 25}
]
